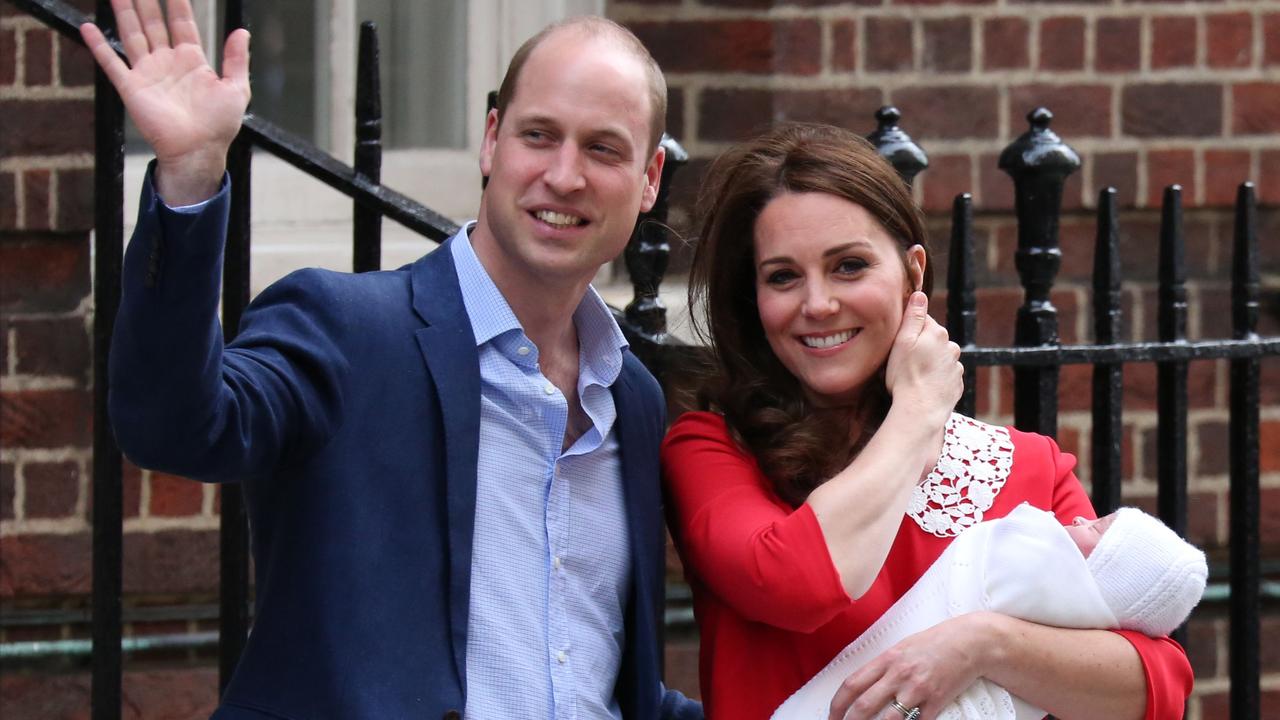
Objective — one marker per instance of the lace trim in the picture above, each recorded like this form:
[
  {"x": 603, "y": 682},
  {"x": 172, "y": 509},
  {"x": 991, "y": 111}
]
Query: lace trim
[{"x": 972, "y": 468}]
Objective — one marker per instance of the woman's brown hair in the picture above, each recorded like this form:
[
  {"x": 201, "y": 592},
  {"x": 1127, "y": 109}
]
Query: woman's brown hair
[{"x": 798, "y": 446}]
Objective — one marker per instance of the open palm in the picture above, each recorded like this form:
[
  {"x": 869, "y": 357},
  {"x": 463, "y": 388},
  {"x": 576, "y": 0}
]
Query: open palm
[{"x": 183, "y": 108}]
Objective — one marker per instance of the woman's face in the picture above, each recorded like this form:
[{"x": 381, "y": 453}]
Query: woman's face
[{"x": 830, "y": 288}]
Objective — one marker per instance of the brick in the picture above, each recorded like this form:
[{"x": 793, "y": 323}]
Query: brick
[
  {"x": 1004, "y": 43},
  {"x": 1202, "y": 646},
  {"x": 157, "y": 693},
  {"x": 1075, "y": 392},
  {"x": 45, "y": 419},
  {"x": 39, "y": 57},
  {"x": 75, "y": 198},
  {"x": 1140, "y": 385},
  {"x": 52, "y": 489},
  {"x": 1269, "y": 516},
  {"x": 8, "y": 201},
  {"x": 1080, "y": 110},
  {"x": 1118, "y": 44},
  {"x": 35, "y": 196},
  {"x": 733, "y": 114},
  {"x": 1257, "y": 108},
  {"x": 1224, "y": 170},
  {"x": 8, "y": 56},
  {"x": 173, "y": 496},
  {"x": 172, "y": 561},
  {"x": 1271, "y": 39},
  {"x": 44, "y": 565},
  {"x": 746, "y": 46},
  {"x": 844, "y": 46},
  {"x": 49, "y": 127},
  {"x": 1172, "y": 110},
  {"x": 949, "y": 112},
  {"x": 675, "y": 128},
  {"x": 889, "y": 43},
  {"x": 995, "y": 185},
  {"x": 58, "y": 347},
  {"x": 948, "y": 45},
  {"x": 1211, "y": 438},
  {"x": 1062, "y": 43},
  {"x": 1173, "y": 42},
  {"x": 131, "y": 481},
  {"x": 1230, "y": 39},
  {"x": 947, "y": 176},
  {"x": 843, "y": 107},
  {"x": 1171, "y": 167},
  {"x": 1269, "y": 446},
  {"x": 1269, "y": 657},
  {"x": 1118, "y": 170},
  {"x": 1268, "y": 190},
  {"x": 43, "y": 272},
  {"x": 8, "y": 490},
  {"x": 75, "y": 64}
]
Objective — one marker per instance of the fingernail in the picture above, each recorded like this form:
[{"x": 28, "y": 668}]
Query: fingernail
[{"x": 918, "y": 299}]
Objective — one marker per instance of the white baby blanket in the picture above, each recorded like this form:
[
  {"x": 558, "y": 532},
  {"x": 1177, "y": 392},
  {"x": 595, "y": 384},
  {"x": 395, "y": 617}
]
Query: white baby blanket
[{"x": 1024, "y": 565}]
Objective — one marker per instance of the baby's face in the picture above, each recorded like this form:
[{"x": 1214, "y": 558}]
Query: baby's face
[{"x": 1087, "y": 533}]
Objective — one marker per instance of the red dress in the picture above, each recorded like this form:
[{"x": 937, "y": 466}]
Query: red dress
[{"x": 770, "y": 606}]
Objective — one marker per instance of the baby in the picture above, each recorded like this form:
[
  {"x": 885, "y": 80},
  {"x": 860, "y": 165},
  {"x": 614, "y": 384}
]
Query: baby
[{"x": 1125, "y": 570}]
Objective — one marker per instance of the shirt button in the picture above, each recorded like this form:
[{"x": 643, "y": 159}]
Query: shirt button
[
  {"x": 549, "y": 389},
  {"x": 562, "y": 657},
  {"x": 522, "y": 350},
  {"x": 555, "y": 562}
]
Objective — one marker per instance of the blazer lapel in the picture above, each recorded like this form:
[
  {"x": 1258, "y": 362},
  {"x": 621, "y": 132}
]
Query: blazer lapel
[{"x": 448, "y": 346}]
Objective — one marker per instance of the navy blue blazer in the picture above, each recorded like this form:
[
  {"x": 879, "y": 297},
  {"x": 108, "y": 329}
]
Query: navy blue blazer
[{"x": 349, "y": 408}]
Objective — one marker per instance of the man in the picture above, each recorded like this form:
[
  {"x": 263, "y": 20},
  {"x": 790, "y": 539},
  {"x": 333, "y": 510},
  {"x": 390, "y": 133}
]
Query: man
[{"x": 450, "y": 469}]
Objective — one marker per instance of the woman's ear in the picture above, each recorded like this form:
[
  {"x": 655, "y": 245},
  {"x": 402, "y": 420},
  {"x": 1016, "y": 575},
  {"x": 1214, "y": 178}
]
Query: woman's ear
[{"x": 916, "y": 261}]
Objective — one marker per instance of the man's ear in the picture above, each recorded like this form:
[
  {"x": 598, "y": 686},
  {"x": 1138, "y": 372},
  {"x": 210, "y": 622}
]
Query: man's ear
[
  {"x": 489, "y": 142},
  {"x": 653, "y": 179},
  {"x": 916, "y": 261}
]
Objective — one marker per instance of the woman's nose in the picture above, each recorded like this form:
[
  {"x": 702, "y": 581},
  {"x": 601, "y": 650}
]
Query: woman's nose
[{"x": 820, "y": 302}]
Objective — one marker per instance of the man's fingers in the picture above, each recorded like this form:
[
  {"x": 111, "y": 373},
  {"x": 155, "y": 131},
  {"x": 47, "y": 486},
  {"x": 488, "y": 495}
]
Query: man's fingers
[
  {"x": 129, "y": 30},
  {"x": 117, "y": 72},
  {"x": 152, "y": 20},
  {"x": 235, "y": 58},
  {"x": 182, "y": 23}
]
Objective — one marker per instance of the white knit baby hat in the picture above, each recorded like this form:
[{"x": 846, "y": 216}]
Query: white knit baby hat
[{"x": 1149, "y": 577}]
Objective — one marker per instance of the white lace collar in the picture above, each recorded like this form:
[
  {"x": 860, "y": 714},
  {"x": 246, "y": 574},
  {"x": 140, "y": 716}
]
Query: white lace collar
[{"x": 972, "y": 468}]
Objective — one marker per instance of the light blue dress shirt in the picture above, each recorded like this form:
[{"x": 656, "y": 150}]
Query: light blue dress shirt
[{"x": 550, "y": 569}]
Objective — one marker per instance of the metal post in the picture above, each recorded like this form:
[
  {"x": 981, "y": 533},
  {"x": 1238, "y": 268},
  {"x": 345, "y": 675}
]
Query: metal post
[
  {"x": 647, "y": 252},
  {"x": 1039, "y": 163},
  {"x": 1171, "y": 375},
  {"x": 108, "y": 492},
  {"x": 367, "y": 221},
  {"x": 1108, "y": 399},
  {"x": 962, "y": 302}
]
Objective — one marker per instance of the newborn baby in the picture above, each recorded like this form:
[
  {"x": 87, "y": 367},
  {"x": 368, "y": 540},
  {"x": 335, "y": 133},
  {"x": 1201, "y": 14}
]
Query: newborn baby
[{"x": 1125, "y": 570}]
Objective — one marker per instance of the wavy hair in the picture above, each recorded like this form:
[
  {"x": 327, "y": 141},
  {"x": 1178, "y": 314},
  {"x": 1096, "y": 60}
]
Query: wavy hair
[{"x": 798, "y": 445}]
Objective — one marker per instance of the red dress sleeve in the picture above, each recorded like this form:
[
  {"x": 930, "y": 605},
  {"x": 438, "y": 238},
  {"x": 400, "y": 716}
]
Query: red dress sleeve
[
  {"x": 1164, "y": 662},
  {"x": 766, "y": 561}
]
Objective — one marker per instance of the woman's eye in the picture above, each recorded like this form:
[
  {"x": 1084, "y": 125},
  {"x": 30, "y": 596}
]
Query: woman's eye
[
  {"x": 780, "y": 277},
  {"x": 849, "y": 266}
]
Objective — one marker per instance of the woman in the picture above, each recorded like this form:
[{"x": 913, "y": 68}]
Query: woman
[{"x": 826, "y": 472}]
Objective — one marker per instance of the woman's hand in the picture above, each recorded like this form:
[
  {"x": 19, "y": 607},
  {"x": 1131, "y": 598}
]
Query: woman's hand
[
  {"x": 184, "y": 110},
  {"x": 927, "y": 670},
  {"x": 924, "y": 370}
]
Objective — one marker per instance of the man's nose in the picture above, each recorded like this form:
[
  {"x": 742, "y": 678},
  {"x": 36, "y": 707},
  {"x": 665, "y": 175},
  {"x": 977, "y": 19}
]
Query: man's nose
[{"x": 564, "y": 173}]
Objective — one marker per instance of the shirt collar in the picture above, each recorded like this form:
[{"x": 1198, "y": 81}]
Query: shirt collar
[{"x": 600, "y": 339}]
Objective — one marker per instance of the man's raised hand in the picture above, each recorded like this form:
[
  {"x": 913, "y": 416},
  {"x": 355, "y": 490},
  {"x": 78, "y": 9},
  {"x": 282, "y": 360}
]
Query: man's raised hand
[{"x": 184, "y": 110}]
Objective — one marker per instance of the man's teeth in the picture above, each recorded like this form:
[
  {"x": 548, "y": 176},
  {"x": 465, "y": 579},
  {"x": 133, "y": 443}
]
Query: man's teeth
[
  {"x": 558, "y": 219},
  {"x": 827, "y": 341}
]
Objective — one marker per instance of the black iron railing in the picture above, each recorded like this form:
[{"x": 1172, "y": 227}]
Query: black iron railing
[{"x": 1039, "y": 163}]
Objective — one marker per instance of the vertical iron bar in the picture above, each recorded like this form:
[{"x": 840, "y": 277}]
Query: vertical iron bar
[
  {"x": 648, "y": 251},
  {"x": 108, "y": 493},
  {"x": 1039, "y": 163},
  {"x": 962, "y": 303},
  {"x": 1171, "y": 377},
  {"x": 233, "y": 619},
  {"x": 367, "y": 221},
  {"x": 1245, "y": 498},
  {"x": 490, "y": 103},
  {"x": 1108, "y": 399}
]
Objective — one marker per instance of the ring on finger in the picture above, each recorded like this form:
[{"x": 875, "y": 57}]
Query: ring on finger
[{"x": 907, "y": 713}]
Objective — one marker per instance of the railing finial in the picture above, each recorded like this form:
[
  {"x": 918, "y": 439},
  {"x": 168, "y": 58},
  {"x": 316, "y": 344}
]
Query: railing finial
[{"x": 896, "y": 146}]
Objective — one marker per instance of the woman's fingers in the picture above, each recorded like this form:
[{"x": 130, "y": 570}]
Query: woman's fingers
[{"x": 105, "y": 55}]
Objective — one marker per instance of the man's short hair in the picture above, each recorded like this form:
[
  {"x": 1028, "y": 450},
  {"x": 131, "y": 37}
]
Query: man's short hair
[{"x": 596, "y": 27}]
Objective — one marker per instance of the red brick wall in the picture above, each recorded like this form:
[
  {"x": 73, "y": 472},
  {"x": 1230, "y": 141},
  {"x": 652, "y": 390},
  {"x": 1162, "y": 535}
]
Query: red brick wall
[{"x": 1149, "y": 93}]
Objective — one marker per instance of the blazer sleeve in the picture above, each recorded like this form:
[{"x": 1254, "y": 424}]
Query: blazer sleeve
[
  {"x": 1164, "y": 662},
  {"x": 181, "y": 402},
  {"x": 768, "y": 563}
]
